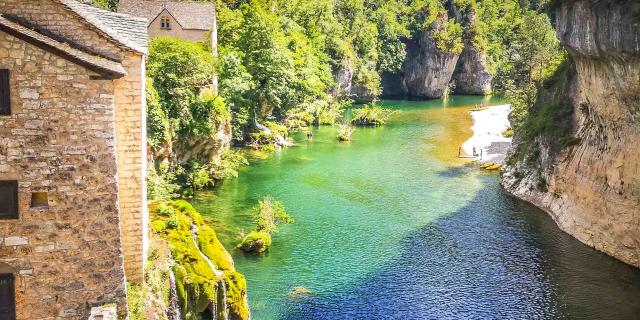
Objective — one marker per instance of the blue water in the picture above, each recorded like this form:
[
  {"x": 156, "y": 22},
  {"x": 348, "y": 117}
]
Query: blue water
[{"x": 392, "y": 226}]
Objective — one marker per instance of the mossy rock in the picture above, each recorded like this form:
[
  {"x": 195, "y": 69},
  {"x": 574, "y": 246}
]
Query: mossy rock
[
  {"x": 197, "y": 284},
  {"x": 256, "y": 242},
  {"x": 236, "y": 295}
]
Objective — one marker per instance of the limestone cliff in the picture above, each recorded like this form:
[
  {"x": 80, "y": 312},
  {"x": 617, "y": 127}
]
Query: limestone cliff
[
  {"x": 428, "y": 70},
  {"x": 348, "y": 86},
  {"x": 205, "y": 148},
  {"x": 472, "y": 74},
  {"x": 591, "y": 185}
]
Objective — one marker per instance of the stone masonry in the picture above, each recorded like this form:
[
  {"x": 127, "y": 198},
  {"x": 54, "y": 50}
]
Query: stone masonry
[{"x": 77, "y": 132}]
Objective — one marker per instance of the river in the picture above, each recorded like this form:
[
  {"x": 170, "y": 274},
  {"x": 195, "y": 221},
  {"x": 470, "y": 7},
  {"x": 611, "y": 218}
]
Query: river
[{"x": 393, "y": 226}]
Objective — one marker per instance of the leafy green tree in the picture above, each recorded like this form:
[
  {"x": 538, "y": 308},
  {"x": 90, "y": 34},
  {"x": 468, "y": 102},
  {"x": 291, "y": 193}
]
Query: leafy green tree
[
  {"x": 180, "y": 70},
  {"x": 536, "y": 51},
  {"x": 106, "y": 4}
]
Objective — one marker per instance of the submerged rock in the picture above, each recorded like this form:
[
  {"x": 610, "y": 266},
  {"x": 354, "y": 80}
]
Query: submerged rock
[{"x": 299, "y": 293}]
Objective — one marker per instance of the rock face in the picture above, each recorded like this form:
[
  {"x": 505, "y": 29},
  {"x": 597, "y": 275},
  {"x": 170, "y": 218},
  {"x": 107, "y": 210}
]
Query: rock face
[
  {"x": 346, "y": 86},
  {"x": 593, "y": 187},
  {"x": 205, "y": 148},
  {"x": 472, "y": 74},
  {"x": 428, "y": 70}
]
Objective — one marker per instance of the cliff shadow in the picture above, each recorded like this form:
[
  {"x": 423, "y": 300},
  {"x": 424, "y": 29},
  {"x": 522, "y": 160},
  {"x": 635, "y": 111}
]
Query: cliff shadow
[{"x": 495, "y": 258}]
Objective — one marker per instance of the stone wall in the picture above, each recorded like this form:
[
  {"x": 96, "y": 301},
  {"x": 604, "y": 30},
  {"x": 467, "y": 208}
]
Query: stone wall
[
  {"x": 60, "y": 139},
  {"x": 131, "y": 153},
  {"x": 130, "y": 115}
]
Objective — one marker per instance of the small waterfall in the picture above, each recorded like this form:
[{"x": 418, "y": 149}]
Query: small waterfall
[
  {"x": 218, "y": 273},
  {"x": 280, "y": 140},
  {"x": 174, "y": 307},
  {"x": 225, "y": 309}
]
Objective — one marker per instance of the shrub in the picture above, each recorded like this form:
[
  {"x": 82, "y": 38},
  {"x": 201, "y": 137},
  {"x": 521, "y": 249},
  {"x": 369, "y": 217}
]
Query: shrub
[
  {"x": 268, "y": 214},
  {"x": 271, "y": 212},
  {"x": 370, "y": 115},
  {"x": 344, "y": 132}
]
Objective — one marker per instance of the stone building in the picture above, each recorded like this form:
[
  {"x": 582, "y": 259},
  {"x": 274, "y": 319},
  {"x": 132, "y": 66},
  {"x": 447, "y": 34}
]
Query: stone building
[
  {"x": 72, "y": 158},
  {"x": 194, "y": 21}
]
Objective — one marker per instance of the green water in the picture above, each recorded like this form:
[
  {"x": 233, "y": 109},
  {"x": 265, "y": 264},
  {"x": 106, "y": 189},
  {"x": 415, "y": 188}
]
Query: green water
[{"x": 393, "y": 226}]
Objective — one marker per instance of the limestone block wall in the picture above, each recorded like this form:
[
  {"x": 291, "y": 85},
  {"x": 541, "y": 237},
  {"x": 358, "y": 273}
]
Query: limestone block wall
[
  {"x": 60, "y": 138},
  {"x": 129, "y": 93},
  {"x": 131, "y": 153}
]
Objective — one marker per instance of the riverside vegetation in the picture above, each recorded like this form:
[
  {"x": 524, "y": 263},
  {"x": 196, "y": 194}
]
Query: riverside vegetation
[
  {"x": 287, "y": 65},
  {"x": 282, "y": 66},
  {"x": 269, "y": 214}
]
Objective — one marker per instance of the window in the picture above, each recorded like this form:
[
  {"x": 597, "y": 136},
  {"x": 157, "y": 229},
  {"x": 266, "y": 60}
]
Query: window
[
  {"x": 9, "y": 199},
  {"x": 165, "y": 24},
  {"x": 39, "y": 200},
  {"x": 5, "y": 97},
  {"x": 7, "y": 297}
]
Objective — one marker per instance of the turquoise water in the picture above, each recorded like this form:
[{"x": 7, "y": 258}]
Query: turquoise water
[{"x": 393, "y": 226}]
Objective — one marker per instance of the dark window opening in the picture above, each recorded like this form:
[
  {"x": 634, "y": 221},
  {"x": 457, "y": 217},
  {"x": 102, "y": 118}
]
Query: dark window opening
[
  {"x": 165, "y": 24},
  {"x": 9, "y": 199},
  {"x": 5, "y": 94},
  {"x": 7, "y": 297},
  {"x": 39, "y": 200}
]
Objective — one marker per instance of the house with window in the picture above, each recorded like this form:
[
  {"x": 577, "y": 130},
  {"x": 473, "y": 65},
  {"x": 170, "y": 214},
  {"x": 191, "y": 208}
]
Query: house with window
[
  {"x": 72, "y": 158},
  {"x": 194, "y": 21}
]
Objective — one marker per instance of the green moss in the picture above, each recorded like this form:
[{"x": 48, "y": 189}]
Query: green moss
[
  {"x": 211, "y": 246},
  {"x": 256, "y": 242},
  {"x": 158, "y": 226},
  {"x": 135, "y": 301},
  {"x": 236, "y": 295},
  {"x": 196, "y": 283},
  {"x": 508, "y": 133}
]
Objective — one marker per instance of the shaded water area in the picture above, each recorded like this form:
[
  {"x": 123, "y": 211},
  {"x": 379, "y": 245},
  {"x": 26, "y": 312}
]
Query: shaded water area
[{"x": 393, "y": 226}]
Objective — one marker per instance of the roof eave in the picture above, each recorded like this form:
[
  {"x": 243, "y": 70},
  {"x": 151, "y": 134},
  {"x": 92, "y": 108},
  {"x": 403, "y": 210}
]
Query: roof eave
[
  {"x": 98, "y": 26},
  {"x": 106, "y": 69}
]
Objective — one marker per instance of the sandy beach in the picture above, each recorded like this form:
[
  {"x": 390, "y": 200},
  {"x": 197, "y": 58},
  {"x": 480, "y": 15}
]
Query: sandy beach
[{"x": 488, "y": 127}]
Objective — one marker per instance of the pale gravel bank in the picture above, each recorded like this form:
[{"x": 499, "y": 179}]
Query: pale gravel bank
[{"x": 488, "y": 127}]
